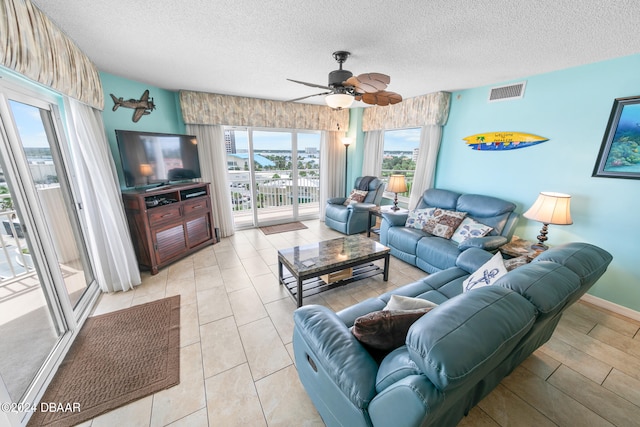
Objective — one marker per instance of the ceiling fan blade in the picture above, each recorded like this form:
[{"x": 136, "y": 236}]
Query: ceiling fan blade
[
  {"x": 369, "y": 82},
  {"x": 381, "y": 98},
  {"x": 394, "y": 98},
  {"x": 355, "y": 84},
  {"x": 310, "y": 84},
  {"x": 351, "y": 81},
  {"x": 372, "y": 99},
  {"x": 308, "y": 96}
]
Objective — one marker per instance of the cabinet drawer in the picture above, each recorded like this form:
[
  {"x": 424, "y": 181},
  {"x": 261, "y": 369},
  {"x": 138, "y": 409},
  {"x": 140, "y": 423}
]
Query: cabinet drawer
[
  {"x": 193, "y": 206},
  {"x": 164, "y": 213}
]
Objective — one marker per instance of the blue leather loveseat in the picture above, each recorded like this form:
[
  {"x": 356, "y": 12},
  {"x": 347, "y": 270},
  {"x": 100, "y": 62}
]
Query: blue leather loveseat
[
  {"x": 432, "y": 253},
  {"x": 454, "y": 355}
]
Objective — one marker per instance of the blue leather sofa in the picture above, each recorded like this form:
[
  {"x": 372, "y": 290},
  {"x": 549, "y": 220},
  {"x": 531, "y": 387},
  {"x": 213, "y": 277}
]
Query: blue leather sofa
[
  {"x": 432, "y": 253},
  {"x": 454, "y": 355},
  {"x": 353, "y": 218}
]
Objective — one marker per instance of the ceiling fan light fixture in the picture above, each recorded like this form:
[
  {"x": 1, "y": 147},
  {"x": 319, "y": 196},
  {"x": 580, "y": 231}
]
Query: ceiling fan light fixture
[{"x": 339, "y": 101}]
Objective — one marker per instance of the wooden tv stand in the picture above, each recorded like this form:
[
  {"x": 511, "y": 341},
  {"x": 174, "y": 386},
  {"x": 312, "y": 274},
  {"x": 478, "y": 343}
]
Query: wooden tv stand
[{"x": 168, "y": 223}]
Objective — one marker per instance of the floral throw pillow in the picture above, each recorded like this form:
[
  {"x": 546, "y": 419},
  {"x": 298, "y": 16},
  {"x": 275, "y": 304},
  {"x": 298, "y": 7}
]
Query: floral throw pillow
[
  {"x": 468, "y": 228},
  {"x": 444, "y": 223},
  {"x": 357, "y": 196},
  {"x": 417, "y": 218},
  {"x": 486, "y": 275}
]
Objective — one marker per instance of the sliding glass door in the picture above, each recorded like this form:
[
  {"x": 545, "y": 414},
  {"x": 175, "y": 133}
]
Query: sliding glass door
[
  {"x": 30, "y": 325},
  {"x": 37, "y": 140},
  {"x": 46, "y": 281},
  {"x": 274, "y": 175}
]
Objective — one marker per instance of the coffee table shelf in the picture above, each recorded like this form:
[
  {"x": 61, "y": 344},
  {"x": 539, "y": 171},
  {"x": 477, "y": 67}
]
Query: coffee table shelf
[{"x": 315, "y": 285}]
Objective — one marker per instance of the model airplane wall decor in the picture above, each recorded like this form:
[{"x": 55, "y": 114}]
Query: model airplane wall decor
[{"x": 143, "y": 106}]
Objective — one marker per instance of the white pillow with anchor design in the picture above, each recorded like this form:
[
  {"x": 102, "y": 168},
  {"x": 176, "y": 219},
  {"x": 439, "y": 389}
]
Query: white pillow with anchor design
[{"x": 486, "y": 275}]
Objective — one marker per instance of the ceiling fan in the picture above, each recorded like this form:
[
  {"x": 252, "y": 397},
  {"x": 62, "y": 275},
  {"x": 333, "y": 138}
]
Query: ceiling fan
[{"x": 344, "y": 87}]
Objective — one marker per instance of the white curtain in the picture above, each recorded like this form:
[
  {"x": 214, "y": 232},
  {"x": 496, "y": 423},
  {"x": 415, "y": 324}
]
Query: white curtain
[
  {"x": 332, "y": 162},
  {"x": 430, "y": 138},
  {"x": 373, "y": 152},
  {"x": 213, "y": 164},
  {"x": 108, "y": 238}
]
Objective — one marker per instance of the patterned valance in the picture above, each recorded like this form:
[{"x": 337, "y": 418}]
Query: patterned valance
[
  {"x": 33, "y": 46},
  {"x": 424, "y": 110},
  {"x": 213, "y": 109}
]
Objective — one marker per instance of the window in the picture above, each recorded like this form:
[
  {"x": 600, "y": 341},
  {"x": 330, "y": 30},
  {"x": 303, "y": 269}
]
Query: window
[
  {"x": 400, "y": 154},
  {"x": 281, "y": 184}
]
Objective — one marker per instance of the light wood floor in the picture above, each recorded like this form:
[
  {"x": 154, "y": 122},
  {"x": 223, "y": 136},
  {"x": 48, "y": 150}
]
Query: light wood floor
[{"x": 237, "y": 362}]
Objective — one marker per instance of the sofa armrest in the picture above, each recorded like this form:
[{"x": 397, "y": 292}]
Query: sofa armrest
[
  {"x": 472, "y": 259},
  {"x": 414, "y": 398},
  {"x": 395, "y": 219},
  {"x": 323, "y": 339},
  {"x": 336, "y": 200},
  {"x": 488, "y": 243},
  {"x": 361, "y": 207}
]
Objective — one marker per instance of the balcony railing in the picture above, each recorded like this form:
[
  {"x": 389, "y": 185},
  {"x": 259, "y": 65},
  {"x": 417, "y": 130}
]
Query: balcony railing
[
  {"x": 274, "y": 193},
  {"x": 15, "y": 260}
]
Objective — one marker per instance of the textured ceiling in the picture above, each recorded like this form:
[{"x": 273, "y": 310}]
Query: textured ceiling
[{"x": 249, "y": 48}]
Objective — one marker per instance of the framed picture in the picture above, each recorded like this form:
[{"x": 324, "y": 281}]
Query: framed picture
[{"x": 619, "y": 155}]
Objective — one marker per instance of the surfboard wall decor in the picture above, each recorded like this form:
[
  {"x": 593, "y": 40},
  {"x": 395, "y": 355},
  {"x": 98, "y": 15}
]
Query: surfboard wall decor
[{"x": 499, "y": 141}]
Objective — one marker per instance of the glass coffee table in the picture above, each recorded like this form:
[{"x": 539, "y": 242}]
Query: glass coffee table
[{"x": 317, "y": 267}]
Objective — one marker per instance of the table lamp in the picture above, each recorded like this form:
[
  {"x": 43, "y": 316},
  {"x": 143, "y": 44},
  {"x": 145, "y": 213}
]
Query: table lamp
[
  {"x": 549, "y": 208},
  {"x": 397, "y": 184},
  {"x": 146, "y": 170}
]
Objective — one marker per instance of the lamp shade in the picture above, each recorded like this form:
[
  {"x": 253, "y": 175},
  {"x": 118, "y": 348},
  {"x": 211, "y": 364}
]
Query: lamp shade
[
  {"x": 339, "y": 100},
  {"x": 551, "y": 208},
  {"x": 146, "y": 169},
  {"x": 397, "y": 184},
  {"x": 347, "y": 140}
]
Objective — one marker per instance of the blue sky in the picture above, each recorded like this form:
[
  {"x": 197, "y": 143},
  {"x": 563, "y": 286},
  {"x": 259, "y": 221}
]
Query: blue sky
[
  {"x": 402, "y": 139},
  {"x": 29, "y": 124},
  {"x": 266, "y": 140},
  {"x": 395, "y": 140}
]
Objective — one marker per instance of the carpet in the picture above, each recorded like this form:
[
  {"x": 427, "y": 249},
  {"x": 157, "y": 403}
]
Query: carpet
[
  {"x": 280, "y": 228},
  {"x": 117, "y": 358}
]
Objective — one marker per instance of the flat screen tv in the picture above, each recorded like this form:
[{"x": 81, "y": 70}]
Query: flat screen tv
[{"x": 157, "y": 158}]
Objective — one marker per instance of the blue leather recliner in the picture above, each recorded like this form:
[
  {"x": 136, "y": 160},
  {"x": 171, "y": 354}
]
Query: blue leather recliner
[
  {"x": 455, "y": 355},
  {"x": 354, "y": 218},
  {"x": 432, "y": 253}
]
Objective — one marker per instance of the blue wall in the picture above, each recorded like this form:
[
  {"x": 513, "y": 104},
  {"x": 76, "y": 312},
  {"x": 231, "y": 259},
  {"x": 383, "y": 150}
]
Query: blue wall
[
  {"x": 166, "y": 118},
  {"x": 571, "y": 108},
  {"x": 356, "y": 149}
]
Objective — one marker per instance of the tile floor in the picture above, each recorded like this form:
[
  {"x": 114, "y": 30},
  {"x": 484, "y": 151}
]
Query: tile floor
[{"x": 237, "y": 365}]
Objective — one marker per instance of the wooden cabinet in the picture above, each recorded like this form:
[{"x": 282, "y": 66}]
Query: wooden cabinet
[{"x": 168, "y": 223}]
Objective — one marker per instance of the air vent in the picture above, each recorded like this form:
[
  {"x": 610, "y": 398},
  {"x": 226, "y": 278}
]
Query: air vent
[{"x": 503, "y": 93}]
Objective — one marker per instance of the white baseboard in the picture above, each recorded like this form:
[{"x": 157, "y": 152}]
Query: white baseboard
[{"x": 608, "y": 305}]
